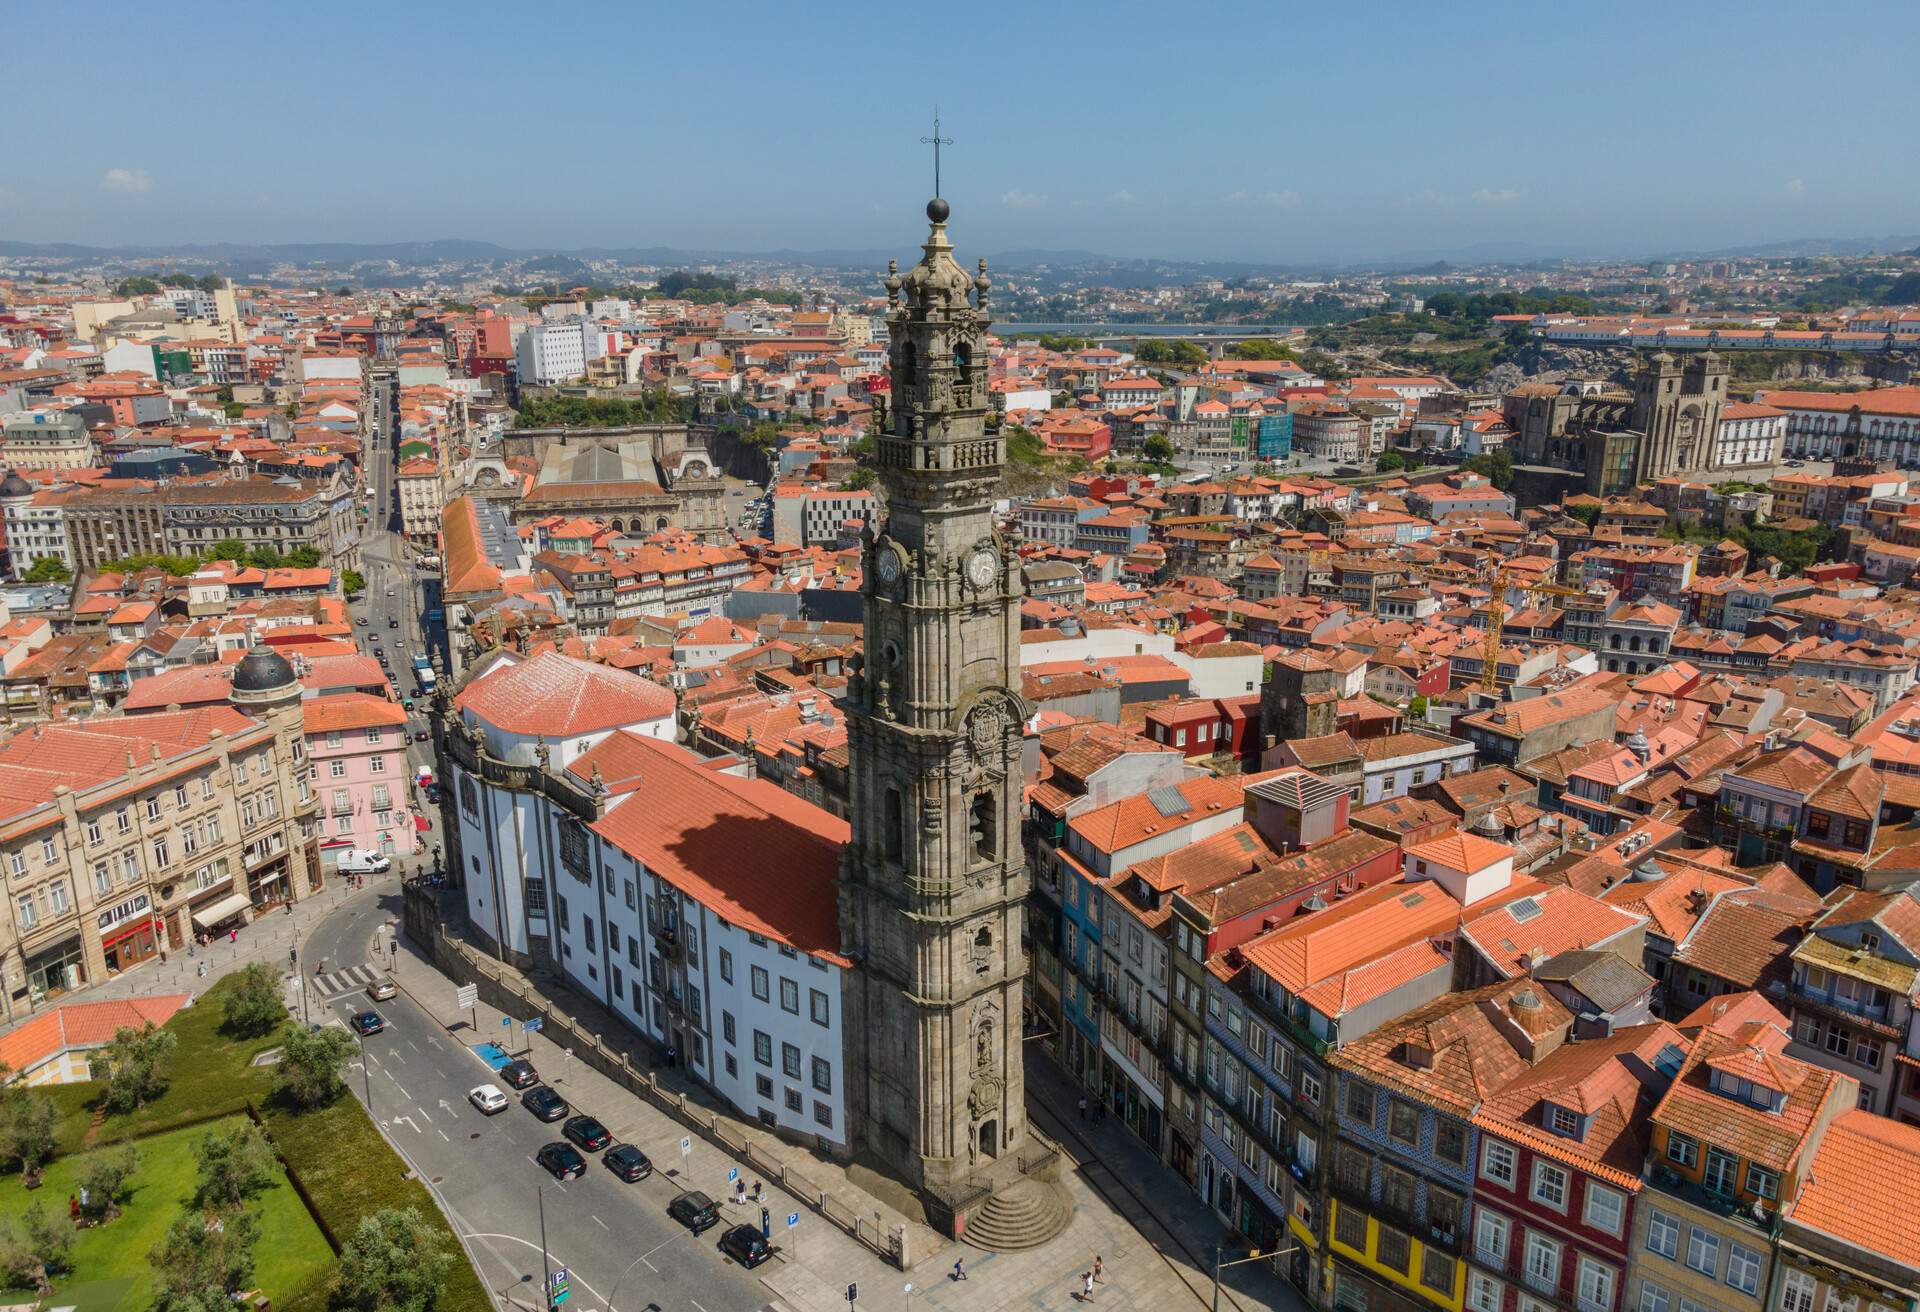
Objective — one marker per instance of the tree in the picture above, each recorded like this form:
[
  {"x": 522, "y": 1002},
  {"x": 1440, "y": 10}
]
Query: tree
[
  {"x": 393, "y": 1263},
  {"x": 232, "y": 549},
  {"x": 1495, "y": 466},
  {"x": 311, "y": 1060},
  {"x": 105, "y": 1179},
  {"x": 1417, "y": 708},
  {"x": 1389, "y": 461},
  {"x": 35, "y": 1247},
  {"x": 212, "y": 282},
  {"x": 48, "y": 569},
  {"x": 1260, "y": 348},
  {"x": 858, "y": 481},
  {"x": 137, "y": 1063},
  {"x": 26, "y": 1131},
  {"x": 1588, "y": 514},
  {"x": 203, "y": 1259},
  {"x": 136, "y": 287},
  {"x": 264, "y": 558},
  {"x": 302, "y": 558},
  {"x": 1157, "y": 448},
  {"x": 235, "y": 1165},
  {"x": 253, "y": 1005},
  {"x": 352, "y": 581}
]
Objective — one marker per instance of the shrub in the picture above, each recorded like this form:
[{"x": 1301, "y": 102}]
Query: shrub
[
  {"x": 308, "y": 1074},
  {"x": 137, "y": 1063},
  {"x": 253, "y": 1005}
]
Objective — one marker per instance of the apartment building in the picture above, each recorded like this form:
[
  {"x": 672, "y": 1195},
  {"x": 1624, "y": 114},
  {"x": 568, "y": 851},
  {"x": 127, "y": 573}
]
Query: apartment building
[
  {"x": 128, "y": 836},
  {"x": 357, "y": 747}
]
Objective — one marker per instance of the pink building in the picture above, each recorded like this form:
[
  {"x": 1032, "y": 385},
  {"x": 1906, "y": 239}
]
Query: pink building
[{"x": 358, "y": 746}]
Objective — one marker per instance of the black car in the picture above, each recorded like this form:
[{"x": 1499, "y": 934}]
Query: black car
[
  {"x": 544, "y": 1103},
  {"x": 695, "y": 1211},
  {"x": 393, "y": 623},
  {"x": 628, "y": 1162},
  {"x": 367, "y": 1022},
  {"x": 563, "y": 1159},
  {"x": 588, "y": 1133},
  {"x": 745, "y": 1245},
  {"x": 422, "y": 736},
  {"x": 519, "y": 1075}
]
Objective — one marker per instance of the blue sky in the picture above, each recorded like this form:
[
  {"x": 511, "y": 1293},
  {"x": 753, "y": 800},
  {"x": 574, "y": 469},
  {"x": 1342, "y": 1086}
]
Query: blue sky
[{"x": 1256, "y": 131}]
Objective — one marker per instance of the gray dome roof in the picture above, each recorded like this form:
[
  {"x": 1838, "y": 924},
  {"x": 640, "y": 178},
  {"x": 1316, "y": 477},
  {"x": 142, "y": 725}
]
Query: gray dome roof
[
  {"x": 15, "y": 486},
  {"x": 262, "y": 670}
]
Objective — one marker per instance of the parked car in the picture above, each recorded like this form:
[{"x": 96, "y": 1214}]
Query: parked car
[
  {"x": 588, "y": 1133},
  {"x": 422, "y": 736},
  {"x": 563, "y": 1159},
  {"x": 364, "y": 861},
  {"x": 367, "y": 1022},
  {"x": 695, "y": 1211},
  {"x": 487, "y": 1099},
  {"x": 745, "y": 1245},
  {"x": 382, "y": 989},
  {"x": 520, "y": 1074},
  {"x": 627, "y": 1162},
  {"x": 544, "y": 1103}
]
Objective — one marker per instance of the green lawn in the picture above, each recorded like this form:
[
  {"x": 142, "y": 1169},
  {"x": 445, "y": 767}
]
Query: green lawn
[
  {"x": 110, "y": 1268},
  {"x": 347, "y": 1167}
]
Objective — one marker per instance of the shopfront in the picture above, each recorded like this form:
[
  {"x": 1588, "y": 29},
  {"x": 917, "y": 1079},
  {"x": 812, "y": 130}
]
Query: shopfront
[
  {"x": 128, "y": 933},
  {"x": 55, "y": 969},
  {"x": 220, "y": 914}
]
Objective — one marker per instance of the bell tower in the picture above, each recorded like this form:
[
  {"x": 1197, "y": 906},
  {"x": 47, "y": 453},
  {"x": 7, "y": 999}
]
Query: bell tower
[{"x": 934, "y": 881}]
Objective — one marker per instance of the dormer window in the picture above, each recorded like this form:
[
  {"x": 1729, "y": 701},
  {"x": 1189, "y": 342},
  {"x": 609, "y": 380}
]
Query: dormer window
[{"x": 1563, "y": 1120}]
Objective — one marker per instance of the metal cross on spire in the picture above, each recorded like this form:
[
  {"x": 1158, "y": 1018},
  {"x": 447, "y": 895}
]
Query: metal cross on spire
[{"x": 936, "y": 141}]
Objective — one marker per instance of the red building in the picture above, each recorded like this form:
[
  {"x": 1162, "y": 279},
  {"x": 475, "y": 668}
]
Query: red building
[{"x": 1562, "y": 1148}]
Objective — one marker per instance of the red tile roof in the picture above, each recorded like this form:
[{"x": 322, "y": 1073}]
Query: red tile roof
[
  {"x": 560, "y": 697},
  {"x": 710, "y": 834},
  {"x": 1864, "y": 1188},
  {"x": 82, "y": 1025}
]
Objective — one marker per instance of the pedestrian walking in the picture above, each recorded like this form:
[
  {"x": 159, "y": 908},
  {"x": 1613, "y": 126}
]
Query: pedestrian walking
[
  {"x": 233, "y": 936},
  {"x": 756, "y": 1191},
  {"x": 959, "y": 1268},
  {"x": 739, "y": 1191},
  {"x": 1086, "y": 1286},
  {"x": 203, "y": 970},
  {"x": 1097, "y": 1268},
  {"x": 1083, "y": 1106}
]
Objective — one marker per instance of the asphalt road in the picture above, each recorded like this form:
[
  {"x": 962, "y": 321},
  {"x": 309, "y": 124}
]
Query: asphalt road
[{"x": 621, "y": 1248}]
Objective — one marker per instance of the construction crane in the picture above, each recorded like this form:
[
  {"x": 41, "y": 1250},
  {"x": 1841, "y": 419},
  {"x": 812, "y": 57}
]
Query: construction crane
[{"x": 1497, "y": 579}]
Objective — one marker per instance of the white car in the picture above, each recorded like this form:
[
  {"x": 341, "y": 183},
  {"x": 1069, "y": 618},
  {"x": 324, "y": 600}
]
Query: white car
[{"x": 487, "y": 1098}]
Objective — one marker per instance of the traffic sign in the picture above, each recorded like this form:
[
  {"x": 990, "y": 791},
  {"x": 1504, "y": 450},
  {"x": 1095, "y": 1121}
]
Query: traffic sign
[
  {"x": 686, "y": 1145},
  {"x": 507, "y": 1021},
  {"x": 466, "y": 996},
  {"x": 793, "y": 1219},
  {"x": 531, "y": 1024}
]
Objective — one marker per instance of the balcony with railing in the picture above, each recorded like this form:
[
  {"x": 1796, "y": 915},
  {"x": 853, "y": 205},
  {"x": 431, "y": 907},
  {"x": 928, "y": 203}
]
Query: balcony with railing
[
  {"x": 1756, "y": 1216},
  {"x": 1856, "y": 1012}
]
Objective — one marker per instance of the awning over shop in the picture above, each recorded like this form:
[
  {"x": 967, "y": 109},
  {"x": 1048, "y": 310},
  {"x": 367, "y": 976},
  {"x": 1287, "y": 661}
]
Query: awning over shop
[
  {"x": 420, "y": 823},
  {"x": 226, "y": 908}
]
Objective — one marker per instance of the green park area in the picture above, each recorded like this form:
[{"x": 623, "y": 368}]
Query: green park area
[{"x": 222, "y": 1160}]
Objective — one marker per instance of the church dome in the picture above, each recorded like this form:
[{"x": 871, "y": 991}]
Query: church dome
[
  {"x": 937, "y": 277},
  {"x": 15, "y": 486},
  {"x": 262, "y": 670}
]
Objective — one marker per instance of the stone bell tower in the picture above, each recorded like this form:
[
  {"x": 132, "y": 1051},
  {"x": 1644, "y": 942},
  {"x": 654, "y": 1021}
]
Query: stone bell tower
[{"x": 933, "y": 884}]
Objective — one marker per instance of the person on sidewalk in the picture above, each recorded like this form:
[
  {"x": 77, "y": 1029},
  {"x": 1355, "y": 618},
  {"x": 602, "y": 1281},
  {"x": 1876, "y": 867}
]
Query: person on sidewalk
[
  {"x": 1097, "y": 1268},
  {"x": 959, "y": 1268},
  {"x": 1083, "y": 1107},
  {"x": 1086, "y": 1286}
]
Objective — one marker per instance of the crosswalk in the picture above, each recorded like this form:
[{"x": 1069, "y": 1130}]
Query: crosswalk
[{"x": 344, "y": 981}]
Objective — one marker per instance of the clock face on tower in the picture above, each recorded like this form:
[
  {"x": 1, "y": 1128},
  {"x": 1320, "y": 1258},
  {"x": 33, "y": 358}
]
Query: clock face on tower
[
  {"x": 982, "y": 565},
  {"x": 887, "y": 562}
]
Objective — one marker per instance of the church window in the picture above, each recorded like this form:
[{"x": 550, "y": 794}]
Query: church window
[
  {"x": 895, "y": 823},
  {"x": 909, "y": 366},
  {"x": 984, "y": 826},
  {"x": 983, "y": 951}
]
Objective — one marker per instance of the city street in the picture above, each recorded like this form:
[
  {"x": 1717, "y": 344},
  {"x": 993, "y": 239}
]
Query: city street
[{"x": 619, "y": 1245}]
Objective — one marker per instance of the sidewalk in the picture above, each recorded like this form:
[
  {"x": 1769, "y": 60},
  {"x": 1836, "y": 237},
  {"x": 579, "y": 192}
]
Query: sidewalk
[{"x": 1154, "y": 1237}]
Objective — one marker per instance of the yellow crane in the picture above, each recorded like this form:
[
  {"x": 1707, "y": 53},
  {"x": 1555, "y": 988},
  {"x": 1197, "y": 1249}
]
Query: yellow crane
[{"x": 1497, "y": 580}]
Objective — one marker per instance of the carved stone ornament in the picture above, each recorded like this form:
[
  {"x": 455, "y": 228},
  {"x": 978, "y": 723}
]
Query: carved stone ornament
[{"x": 985, "y": 724}]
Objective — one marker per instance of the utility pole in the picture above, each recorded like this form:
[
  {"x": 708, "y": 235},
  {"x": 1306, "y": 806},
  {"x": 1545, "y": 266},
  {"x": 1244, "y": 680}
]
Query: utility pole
[
  {"x": 1254, "y": 1255},
  {"x": 546, "y": 1271},
  {"x": 366, "y": 1071}
]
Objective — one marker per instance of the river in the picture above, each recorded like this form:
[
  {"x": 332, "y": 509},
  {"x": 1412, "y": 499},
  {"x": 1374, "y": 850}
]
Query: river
[{"x": 1145, "y": 329}]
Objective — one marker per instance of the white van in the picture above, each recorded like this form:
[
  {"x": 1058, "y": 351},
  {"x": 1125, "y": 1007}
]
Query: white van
[{"x": 363, "y": 861}]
